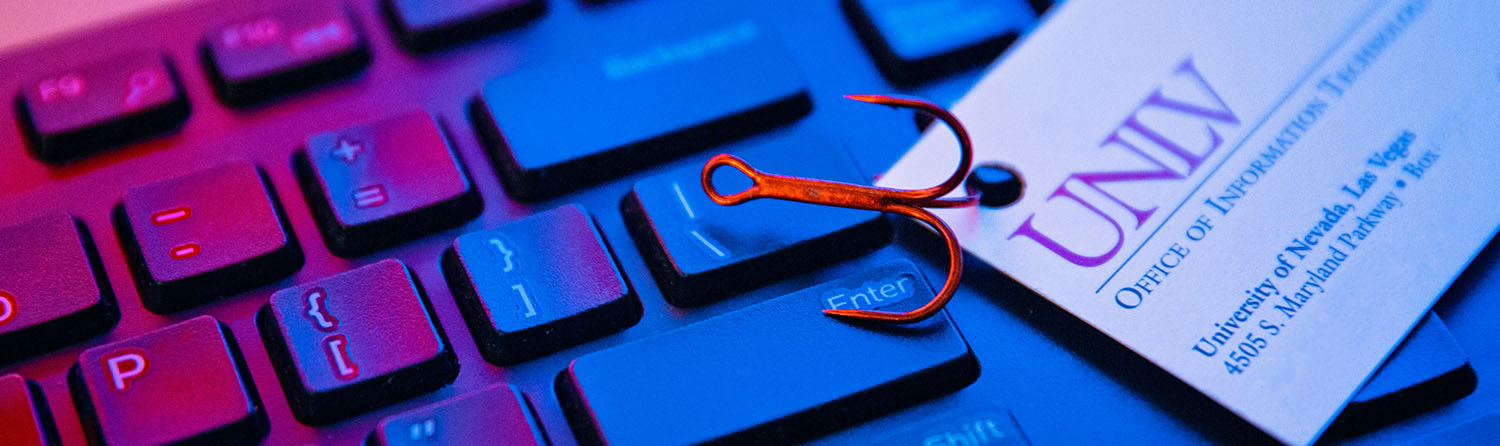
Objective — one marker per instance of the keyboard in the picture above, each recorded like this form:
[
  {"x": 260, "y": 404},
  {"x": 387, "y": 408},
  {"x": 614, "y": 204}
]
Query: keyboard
[{"x": 453, "y": 222}]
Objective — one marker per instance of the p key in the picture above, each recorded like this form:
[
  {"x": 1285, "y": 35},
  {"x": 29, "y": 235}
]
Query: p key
[
  {"x": 538, "y": 285},
  {"x": 183, "y": 384},
  {"x": 205, "y": 235},
  {"x": 105, "y": 104},
  {"x": 355, "y": 342},
  {"x": 382, "y": 183}
]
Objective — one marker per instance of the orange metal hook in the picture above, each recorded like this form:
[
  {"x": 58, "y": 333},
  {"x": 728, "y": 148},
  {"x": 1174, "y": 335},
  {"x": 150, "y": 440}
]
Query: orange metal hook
[{"x": 910, "y": 203}]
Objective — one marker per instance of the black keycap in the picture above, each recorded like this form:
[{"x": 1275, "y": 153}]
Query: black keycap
[
  {"x": 539, "y": 285},
  {"x": 1426, "y": 371},
  {"x": 424, "y": 25},
  {"x": 498, "y": 415},
  {"x": 24, "y": 418},
  {"x": 293, "y": 48},
  {"x": 910, "y": 49},
  {"x": 355, "y": 342},
  {"x": 969, "y": 417},
  {"x": 104, "y": 104},
  {"x": 671, "y": 94},
  {"x": 700, "y": 251},
  {"x": 379, "y": 184},
  {"x": 183, "y": 384},
  {"x": 53, "y": 291},
  {"x": 772, "y": 373},
  {"x": 205, "y": 235}
]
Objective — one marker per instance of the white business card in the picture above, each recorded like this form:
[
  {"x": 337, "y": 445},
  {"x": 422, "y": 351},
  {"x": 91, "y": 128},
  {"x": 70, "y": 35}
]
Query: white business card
[{"x": 1262, "y": 197}]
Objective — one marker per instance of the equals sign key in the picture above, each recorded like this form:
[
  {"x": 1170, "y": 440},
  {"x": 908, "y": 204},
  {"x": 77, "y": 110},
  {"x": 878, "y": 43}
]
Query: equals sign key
[{"x": 370, "y": 196}]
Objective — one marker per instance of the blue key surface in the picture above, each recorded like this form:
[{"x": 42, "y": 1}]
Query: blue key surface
[
  {"x": 910, "y": 47},
  {"x": 1478, "y": 431},
  {"x": 498, "y": 415},
  {"x": 701, "y": 251},
  {"x": 646, "y": 96},
  {"x": 424, "y": 25},
  {"x": 538, "y": 285},
  {"x": 775, "y": 372}
]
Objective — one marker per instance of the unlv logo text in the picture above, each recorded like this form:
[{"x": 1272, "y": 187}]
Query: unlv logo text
[{"x": 1143, "y": 135}]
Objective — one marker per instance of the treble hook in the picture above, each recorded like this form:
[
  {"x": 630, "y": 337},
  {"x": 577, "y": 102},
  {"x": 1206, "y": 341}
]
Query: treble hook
[{"x": 911, "y": 203}]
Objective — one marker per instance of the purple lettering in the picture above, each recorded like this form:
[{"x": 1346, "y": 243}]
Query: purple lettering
[
  {"x": 1030, "y": 231},
  {"x": 1218, "y": 111}
]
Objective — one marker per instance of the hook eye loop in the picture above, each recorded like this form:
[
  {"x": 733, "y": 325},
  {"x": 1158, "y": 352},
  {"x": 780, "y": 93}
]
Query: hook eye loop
[{"x": 723, "y": 160}]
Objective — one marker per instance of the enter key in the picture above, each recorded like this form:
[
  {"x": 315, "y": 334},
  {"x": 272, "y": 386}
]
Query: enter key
[{"x": 777, "y": 372}]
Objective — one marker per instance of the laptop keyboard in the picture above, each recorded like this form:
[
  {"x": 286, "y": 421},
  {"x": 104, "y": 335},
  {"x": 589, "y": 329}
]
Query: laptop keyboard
[{"x": 408, "y": 222}]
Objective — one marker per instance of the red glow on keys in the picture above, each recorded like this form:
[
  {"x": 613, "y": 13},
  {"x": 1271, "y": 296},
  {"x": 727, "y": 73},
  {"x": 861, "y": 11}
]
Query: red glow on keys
[
  {"x": 185, "y": 251},
  {"x": 172, "y": 215},
  {"x": 7, "y": 307}
]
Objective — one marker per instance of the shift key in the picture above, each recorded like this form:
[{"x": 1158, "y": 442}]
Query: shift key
[
  {"x": 777, "y": 372},
  {"x": 644, "y": 100}
]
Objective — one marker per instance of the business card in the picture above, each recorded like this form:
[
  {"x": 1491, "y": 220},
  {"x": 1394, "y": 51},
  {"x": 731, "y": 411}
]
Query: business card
[{"x": 1262, "y": 198}]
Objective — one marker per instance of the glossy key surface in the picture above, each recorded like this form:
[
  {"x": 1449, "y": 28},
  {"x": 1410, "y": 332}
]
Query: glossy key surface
[
  {"x": 498, "y": 415},
  {"x": 424, "y": 25},
  {"x": 262, "y": 56},
  {"x": 101, "y": 104},
  {"x": 772, "y": 373},
  {"x": 24, "y": 417},
  {"x": 385, "y": 182},
  {"x": 184, "y": 384},
  {"x": 538, "y": 285},
  {"x": 205, "y": 235},
  {"x": 914, "y": 41},
  {"x": 701, "y": 251},
  {"x": 53, "y": 291},
  {"x": 355, "y": 342},
  {"x": 638, "y": 100}
]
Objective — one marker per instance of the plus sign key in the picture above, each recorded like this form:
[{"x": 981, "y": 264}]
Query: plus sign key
[
  {"x": 205, "y": 235},
  {"x": 354, "y": 342},
  {"x": 183, "y": 384},
  {"x": 538, "y": 285},
  {"x": 383, "y": 183}
]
